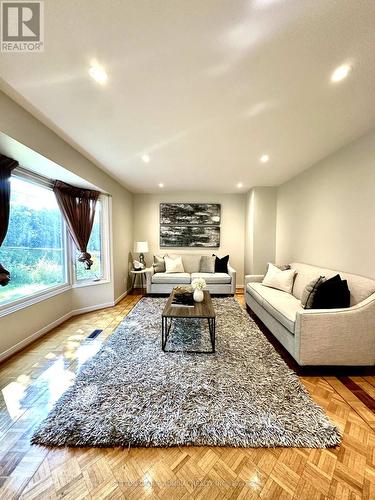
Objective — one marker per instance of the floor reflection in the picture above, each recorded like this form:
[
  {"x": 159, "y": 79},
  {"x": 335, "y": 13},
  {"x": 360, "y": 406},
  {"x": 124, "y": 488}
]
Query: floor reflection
[
  {"x": 57, "y": 375},
  {"x": 13, "y": 395},
  {"x": 58, "y": 379}
]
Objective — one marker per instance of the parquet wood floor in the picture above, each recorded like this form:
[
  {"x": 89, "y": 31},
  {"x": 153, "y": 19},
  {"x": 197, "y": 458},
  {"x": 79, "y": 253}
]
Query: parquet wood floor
[{"x": 32, "y": 380}]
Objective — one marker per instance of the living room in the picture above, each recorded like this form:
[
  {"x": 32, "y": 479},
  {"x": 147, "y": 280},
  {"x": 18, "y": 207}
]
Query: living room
[{"x": 187, "y": 306}]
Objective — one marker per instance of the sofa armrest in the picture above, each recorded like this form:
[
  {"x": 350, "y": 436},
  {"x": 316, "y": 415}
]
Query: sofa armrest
[
  {"x": 253, "y": 278},
  {"x": 149, "y": 272},
  {"x": 233, "y": 274},
  {"x": 337, "y": 336}
]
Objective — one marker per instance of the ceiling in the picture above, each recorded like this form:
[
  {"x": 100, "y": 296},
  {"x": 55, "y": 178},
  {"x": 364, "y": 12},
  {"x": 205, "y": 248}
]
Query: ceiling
[
  {"x": 203, "y": 87},
  {"x": 31, "y": 160}
]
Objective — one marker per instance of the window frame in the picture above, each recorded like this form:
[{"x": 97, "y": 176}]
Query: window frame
[
  {"x": 67, "y": 248},
  {"x": 104, "y": 249}
]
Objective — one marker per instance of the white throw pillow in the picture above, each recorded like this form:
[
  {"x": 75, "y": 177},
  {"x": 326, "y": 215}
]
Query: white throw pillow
[
  {"x": 173, "y": 265},
  {"x": 281, "y": 280}
]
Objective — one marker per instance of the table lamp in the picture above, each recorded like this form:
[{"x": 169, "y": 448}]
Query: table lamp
[{"x": 141, "y": 247}]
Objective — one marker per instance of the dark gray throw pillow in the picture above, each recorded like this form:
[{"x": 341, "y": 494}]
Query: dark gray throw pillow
[
  {"x": 332, "y": 294},
  {"x": 207, "y": 264},
  {"x": 221, "y": 264},
  {"x": 309, "y": 292},
  {"x": 159, "y": 264}
]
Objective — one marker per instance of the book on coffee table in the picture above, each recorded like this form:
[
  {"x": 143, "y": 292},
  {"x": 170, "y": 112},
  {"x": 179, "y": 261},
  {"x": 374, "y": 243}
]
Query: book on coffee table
[
  {"x": 182, "y": 297},
  {"x": 183, "y": 300}
]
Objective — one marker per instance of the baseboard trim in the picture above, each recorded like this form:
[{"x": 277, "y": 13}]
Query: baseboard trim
[
  {"x": 122, "y": 296},
  {"x": 87, "y": 309},
  {"x": 34, "y": 336},
  {"x": 43, "y": 331}
]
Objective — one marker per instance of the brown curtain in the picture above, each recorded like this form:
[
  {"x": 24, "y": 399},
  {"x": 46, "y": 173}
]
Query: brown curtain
[
  {"x": 6, "y": 167},
  {"x": 78, "y": 208}
]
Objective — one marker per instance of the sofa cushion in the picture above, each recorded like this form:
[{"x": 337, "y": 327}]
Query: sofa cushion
[
  {"x": 190, "y": 261},
  {"x": 282, "y": 267},
  {"x": 207, "y": 264},
  {"x": 281, "y": 280},
  {"x": 253, "y": 291},
  {"x": 359, "y": 286},
  {"x": 173, "y": 264},
  {"x": 281, "y": 305},
  {"x": 221, "y": 264},
  {"x": 171, "y": 278},
  {"x": 159, "y": 264},
  {"x": 332, "y": 294},
  {"x": 218, "y": 278},
  {"x": 309, "y": 292}
]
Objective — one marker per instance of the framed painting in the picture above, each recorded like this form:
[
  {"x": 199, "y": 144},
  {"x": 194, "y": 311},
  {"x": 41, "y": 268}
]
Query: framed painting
[
  {"x": 190, "y": 236},
  {"x": 190, "y": 214}
]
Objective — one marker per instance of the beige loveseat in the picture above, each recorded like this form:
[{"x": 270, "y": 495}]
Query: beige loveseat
[
  {"x": 318, "y": 336},
  {"x": 217, "y": 283}
]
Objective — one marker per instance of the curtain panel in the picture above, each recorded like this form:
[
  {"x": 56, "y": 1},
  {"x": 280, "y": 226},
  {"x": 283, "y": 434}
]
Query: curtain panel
[
  {"x": 77, "y": 206},
  {"x": 6, "y": 167}
]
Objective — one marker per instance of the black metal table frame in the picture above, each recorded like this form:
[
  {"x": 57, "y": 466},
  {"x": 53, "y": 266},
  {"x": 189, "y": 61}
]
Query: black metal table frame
[
  {"x": 166, "y": 327},
  {"x": 143, "y": 280}
]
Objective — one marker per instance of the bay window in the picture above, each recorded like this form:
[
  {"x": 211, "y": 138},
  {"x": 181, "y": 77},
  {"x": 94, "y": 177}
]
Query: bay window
[
  {"x": 37, "y": 249},
  {"x": 94, "y": 248},
  {"x": 33, "y": 248}
]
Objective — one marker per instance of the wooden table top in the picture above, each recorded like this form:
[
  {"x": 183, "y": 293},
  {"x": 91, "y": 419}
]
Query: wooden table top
[{"x": 204, "y": 309}]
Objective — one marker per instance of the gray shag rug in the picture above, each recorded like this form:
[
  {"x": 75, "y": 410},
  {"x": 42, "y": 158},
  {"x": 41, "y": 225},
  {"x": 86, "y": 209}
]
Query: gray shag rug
[{"x": 131, "y": 393}]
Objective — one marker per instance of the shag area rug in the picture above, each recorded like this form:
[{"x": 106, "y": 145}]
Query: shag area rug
[{"x": 131, "y": 393}]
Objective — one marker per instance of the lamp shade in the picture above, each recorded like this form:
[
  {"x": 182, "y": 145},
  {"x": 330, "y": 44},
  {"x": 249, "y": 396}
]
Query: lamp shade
[{"x": 141, "y": 247}]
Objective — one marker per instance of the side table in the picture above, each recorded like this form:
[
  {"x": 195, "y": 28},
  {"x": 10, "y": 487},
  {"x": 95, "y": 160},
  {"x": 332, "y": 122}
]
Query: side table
[{"x": 142, "y": 274}]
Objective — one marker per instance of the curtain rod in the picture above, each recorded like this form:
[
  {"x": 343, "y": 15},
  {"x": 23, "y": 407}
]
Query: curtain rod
[{"x": 24, "y": 173}]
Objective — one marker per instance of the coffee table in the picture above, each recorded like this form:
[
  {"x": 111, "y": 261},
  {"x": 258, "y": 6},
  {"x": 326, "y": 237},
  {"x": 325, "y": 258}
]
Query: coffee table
[{"x": 202, "y": 310}]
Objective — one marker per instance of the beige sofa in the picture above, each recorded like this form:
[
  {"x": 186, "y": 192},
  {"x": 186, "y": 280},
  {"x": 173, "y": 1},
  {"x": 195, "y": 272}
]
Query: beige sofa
[
  {"x": 318, "y": 336},
  {"x": 217, "y": 283}
]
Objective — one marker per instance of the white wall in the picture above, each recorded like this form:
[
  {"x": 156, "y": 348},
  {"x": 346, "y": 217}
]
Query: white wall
[
  {"x": 146, "y": 223},
  {"x": 260, "y": 229},
  {"x": 249, "y": 233},
  {"x": 21, "y": 326},
  {"x": 17, "y": 123},
  {"x": 326, "y": 215}
]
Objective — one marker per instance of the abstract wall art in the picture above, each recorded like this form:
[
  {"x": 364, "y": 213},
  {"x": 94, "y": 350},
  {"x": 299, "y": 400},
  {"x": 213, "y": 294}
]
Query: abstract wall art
[
  {"x": 190, "y": 214},
  {"x": 190, "y": 225}
]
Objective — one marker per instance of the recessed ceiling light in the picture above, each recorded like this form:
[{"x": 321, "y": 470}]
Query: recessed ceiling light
[
  {"x": 239, "y": 185},
  {"x": 341, "y": 73},
  {"x": 145, "y": 158},
  {"x": 161, "y": 185},
  {"x": 264, "y": 158},
  {"x": 98, "y": 73}
]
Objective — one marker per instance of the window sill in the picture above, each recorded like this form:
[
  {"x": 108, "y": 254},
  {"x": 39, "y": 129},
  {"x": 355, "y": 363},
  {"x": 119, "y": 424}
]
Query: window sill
[
  {"x": 90, "y": 283},
  {"x": 22, "y": 303}
]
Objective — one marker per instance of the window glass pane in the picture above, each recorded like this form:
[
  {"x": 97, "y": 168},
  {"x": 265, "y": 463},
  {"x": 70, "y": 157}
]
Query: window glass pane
[
  {"x": 94, "y": 248},
  {"x": 33, "y": 248}
]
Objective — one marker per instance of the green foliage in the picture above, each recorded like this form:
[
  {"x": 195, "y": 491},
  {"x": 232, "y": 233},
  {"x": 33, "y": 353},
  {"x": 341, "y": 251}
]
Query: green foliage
[
  {"x": 93, "y": 273},
  {"x": 30, "y": 266},
  {"x": 33, "y": 252},
  {"x": 33, "y": 228}
]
